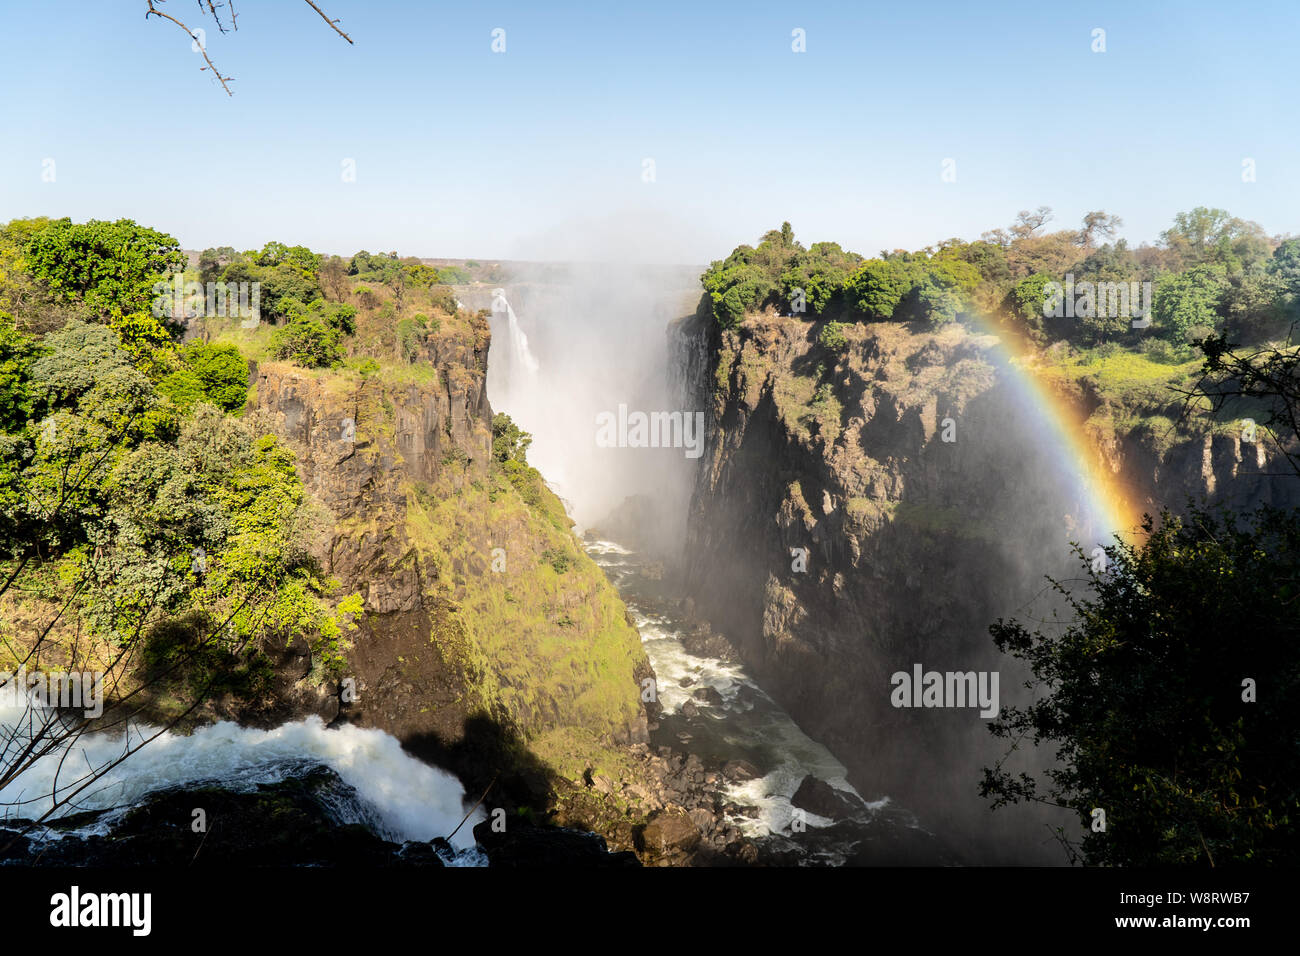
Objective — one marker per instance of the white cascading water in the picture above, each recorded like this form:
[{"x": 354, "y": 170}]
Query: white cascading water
[
  {"x": 515, "y": 386},
  {"x": 518, "y": 340},
  {"x": 402, "y": 798}
]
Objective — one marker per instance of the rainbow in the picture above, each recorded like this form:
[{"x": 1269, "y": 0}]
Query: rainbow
[{"x": 1105, "y": 505}]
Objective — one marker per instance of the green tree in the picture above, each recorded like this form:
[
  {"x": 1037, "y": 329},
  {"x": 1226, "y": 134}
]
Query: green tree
[
  {"x": 1256, "y": 307},
  {"x": 750, "y": 278},
  {"x": 280, "y": 285},
  {"x": 878, "y": 286},
  {"x": 1025, "y": 302},
  {"x": 447, "y": 275},
  {"x": 1186, "y": 304},
  {"x": 222, "y": 373},
  {"x": 360, "y": 264},
  {"x": 509, "y": 441},
  {"x": 988, "y": 258},
  {"x": 1285, "y": 266},
  {"x": 1142, "y": 697},
  {"x": 109, "y": 266},
  {"x": 941, "y": 294},
  {"x": 212, "y": 261},
  {"x": 935, "y": 302},
  {"x": 18, "y": 351},
  {"x": 410, "y": 334},
  {"x": 309, "y": 342},
  {"x": 76, "y": 357},
  {"x": 298, "y": 258},
  {"x": 183, "y": 388},
  {"x": 143, "y": 337},
  {"x": 822, "y": 273},
  {"x": 1213, "y": 235}
]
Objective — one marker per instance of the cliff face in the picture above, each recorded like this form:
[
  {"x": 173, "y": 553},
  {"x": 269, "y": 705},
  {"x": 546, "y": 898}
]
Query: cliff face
[
  {"x": 1163, "y": 470},
  {"x": 489, "y": 638},
  {"x": 929, "y": 497}
]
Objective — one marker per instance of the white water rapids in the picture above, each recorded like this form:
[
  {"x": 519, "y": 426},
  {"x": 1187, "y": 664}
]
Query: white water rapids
[
  {"x": 401, "y": 797},
  {"x": 745, "y": 720}
]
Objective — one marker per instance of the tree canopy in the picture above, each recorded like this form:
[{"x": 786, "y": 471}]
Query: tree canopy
[{"x": 1211, "y": 272}]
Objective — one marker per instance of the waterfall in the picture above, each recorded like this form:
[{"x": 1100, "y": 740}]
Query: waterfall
[
  {"x": 520, "y": 355},
  {"x": 515, "y": 386}
]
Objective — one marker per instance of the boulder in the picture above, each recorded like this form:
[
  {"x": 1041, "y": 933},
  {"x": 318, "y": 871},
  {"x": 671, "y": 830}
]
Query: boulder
[
  {"x": 740, "y": 770},
  {"x": 670, "y": 833},
  {"x": 708, "y": 695},
  {"x": 819, "y": 797}
]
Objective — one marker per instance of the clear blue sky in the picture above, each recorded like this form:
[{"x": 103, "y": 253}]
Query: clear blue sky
[{"x": 535, "y": 151}]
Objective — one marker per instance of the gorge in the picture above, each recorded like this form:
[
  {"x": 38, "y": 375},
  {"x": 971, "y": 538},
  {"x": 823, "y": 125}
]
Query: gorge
[{"x": 684, "y": 641}]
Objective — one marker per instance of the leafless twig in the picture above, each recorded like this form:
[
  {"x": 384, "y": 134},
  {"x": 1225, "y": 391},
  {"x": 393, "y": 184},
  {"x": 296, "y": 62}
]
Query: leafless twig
[
  {"x": 332, "y": 23},
  {"x": 210, "y": 8},
  {"x": 202, "y": 47}
]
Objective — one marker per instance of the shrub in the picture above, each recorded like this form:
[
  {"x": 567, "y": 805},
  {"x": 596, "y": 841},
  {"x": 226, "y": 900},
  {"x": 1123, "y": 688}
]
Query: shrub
[
  {"x": 558, "y": 559},
  {"x": 222, "y": 371},
  {"x": 184, "y": 388},
  {"x": 308, "y": 342},
  {"x": 410, "y": 334},
  {"x": 832, "y": 337}
]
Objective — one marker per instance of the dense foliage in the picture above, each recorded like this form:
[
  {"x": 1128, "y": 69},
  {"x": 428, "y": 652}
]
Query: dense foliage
[
  {"x": 111, "y": 267},
  {"x": 133, "y": 499},
  {"x": 1211, "y": 273},
  {"x": 1171, "y": 696}
]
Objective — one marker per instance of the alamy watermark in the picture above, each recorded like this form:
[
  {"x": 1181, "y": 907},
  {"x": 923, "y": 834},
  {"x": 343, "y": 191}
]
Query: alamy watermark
[
  {"x": 75, "y": 908},
  {"x": 923, "y": 688},
  {"x": 180, "y": 299},
  {"x": 626, "y": 429},
  {"x": 1087, "y": 300},
  {"x": 68, "y": 690}
]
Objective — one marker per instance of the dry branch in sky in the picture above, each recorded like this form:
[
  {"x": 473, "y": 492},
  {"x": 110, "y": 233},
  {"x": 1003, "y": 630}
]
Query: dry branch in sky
[{"x": 212, "y": 9}]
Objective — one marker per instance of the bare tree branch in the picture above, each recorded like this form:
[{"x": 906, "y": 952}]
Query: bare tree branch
[
  {"x": 332, "y": 23},
  {"x": 202, "y": 47},
  {"x": 211, "y": 8}
]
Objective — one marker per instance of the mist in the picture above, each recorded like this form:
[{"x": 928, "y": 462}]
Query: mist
[{"x": 572, "y": 343}]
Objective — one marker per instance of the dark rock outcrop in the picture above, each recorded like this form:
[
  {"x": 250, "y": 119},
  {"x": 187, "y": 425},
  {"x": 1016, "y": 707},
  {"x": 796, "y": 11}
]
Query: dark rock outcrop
[
  {"x": 819, "y": 797},
  {"x": 521, "y": 845},
  {"x": 290, "y": 823}
]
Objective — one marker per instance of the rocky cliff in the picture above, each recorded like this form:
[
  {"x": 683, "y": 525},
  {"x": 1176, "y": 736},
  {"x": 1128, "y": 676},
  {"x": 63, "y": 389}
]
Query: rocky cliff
[
  {"x": 1164, "y": 457},
  {"x": 491, "y": 644},
  {"x": 489, "y": 639},
  {"x": 861, "y": 511}
]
